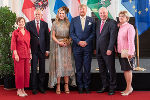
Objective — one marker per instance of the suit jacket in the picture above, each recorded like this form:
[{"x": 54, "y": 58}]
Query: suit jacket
[
  {"x": 106, "y": 40},
  {"x": 21, "y": 43},
  {"x": 77, "y": 34},
  {"x": 42, "y": 40}
]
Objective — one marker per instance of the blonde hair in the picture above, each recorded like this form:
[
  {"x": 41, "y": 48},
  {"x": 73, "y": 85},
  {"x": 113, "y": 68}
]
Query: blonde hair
[
  {"x": 125, "y": 13},
  {"x": 82, "y": 5},
  {"x": 65, "y": 19}
]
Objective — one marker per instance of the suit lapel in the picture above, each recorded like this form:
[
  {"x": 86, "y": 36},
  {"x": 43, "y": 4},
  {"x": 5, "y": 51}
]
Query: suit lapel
[
  {"x": 105, "y": 25},
  {"x": 41, "y": 24},
  {"x": 86, "y": 23},
  {"x": 79, "y": 21},
  {"x": 98, "y": 28},
  {"x": 34, "y": 26}
]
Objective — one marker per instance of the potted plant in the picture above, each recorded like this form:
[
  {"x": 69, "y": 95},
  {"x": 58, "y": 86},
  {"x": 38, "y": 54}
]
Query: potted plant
[{"x": 7, "y": 22}]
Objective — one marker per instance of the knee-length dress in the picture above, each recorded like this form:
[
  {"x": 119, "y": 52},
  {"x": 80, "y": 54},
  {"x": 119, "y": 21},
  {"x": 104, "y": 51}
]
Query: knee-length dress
[{"x": 60, "y": 57}]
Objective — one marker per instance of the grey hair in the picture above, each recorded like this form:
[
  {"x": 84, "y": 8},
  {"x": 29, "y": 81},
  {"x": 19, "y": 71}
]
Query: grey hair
[
  {"x": 103, "y": 8},
  {"x": 38, "y": 9}
]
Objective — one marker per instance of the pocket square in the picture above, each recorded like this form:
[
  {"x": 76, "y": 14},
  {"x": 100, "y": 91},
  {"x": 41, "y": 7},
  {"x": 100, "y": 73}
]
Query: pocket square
[{"x": 89, "y": 23}]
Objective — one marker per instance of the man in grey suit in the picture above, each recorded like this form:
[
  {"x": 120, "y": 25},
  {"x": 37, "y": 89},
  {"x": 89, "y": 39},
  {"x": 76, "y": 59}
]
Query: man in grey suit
[
  {"x": 82, "y": 32},
  {"x": 106, "y": 35}
]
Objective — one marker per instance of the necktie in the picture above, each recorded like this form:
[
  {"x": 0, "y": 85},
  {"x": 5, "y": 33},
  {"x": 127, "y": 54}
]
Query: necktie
[
  {"x": 38, "y": 28},
  {"x": 101, "y": 26},
  {"x": 83, "y": 23}
]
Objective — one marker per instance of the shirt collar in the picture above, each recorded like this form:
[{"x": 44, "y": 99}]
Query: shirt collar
[
  {"x": 36, "y": 21},
  {"x": 82, "y": 17},
  {"x": 103, "y": 21}
]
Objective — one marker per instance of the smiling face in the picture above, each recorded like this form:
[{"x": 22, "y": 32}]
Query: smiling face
[
  {"x": 122, "y": 18},
  {"x": 62, "y": 14},
  {"x": 103, "y": 13},
  {"x": 21, "y": 23},
  {"x": 82, "y": 10},
  {"x": 38, "y": 15}
]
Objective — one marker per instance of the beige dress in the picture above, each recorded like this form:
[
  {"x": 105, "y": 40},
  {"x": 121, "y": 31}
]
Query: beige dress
[{"x": 60, "y": 57}]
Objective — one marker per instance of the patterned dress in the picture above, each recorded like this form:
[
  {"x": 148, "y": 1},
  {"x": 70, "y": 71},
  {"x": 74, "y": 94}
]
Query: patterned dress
[{"x": 60, "y": 57}]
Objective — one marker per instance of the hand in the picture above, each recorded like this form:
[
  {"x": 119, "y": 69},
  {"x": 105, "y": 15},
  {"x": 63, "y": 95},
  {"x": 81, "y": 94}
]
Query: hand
[
  {"x": 46, "y": 53},
  {"x": 65, "y": 44},
  {"x": 82, "y": 43},
  {"x": 17, "y": 58},
  {"x": 61, "y": 44},
  {"x": 130, "y": 56},
  {"x": 30, "y": 56},
  {"x": 109, "y": 52}
]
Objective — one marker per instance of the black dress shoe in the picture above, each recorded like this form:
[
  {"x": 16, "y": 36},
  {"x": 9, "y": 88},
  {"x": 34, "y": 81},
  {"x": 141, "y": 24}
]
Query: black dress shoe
[
  {"x": 80, "y": 90},
  {"x": 87, "y": 91},
  {"x": 34, "y": 91},
  {"x": 103, "y": 90},
  {"x": 111, "y": 92},
  {"x": 42, "y": 90}
]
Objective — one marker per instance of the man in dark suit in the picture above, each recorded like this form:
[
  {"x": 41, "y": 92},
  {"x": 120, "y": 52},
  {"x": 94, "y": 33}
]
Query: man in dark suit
[
  {"x": 82, "y": 30},
  {"x": 40, "y": 48},
  {"x": 106, "y": 35}
]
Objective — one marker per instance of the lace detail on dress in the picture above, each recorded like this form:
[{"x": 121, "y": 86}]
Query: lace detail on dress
[{"x": 60, "y": 58}]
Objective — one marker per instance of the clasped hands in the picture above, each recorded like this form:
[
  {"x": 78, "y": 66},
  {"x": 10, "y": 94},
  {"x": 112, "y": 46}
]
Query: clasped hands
[
  {"x": 82, "y": 43},
  {"x": 62, "y": 44}
]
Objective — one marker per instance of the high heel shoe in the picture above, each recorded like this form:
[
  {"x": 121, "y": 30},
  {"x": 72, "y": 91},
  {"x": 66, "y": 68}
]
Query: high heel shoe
[
  {"x": 20, "y": 95},
  {"x": 122, "y": 92},
  {"x": 66, "y": 88},
  {"x": 58, "y": 91},
  {"x": 25, "y": 94},
  {"x": 129, "y": 92}
]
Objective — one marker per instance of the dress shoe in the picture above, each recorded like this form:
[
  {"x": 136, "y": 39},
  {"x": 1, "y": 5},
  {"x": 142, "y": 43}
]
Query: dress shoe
[
  {"x": 127, "y": 93},
  {"x": 87, "y": 91},
  {"x": 102, "y": 90},
  {"x": 34, "y": 91},
  {"x": 80, "y": 90},
  {"x": 42, "y": 90},
  {"x": 111, "y": 92}
]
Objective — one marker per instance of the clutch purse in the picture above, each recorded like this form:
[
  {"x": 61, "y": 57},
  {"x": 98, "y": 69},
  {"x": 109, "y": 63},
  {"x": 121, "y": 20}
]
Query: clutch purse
[
  {"x": 66, "y": 40},
  {"x": 124, "y": 53}
]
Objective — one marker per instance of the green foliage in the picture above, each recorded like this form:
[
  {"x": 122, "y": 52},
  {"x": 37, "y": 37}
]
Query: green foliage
[{"x": 7, "y": 22}]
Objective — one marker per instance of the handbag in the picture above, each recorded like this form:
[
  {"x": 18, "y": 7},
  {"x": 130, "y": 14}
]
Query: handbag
[
  {"x": 66, "y": 40},
  {"x": 124, "y": 53}
]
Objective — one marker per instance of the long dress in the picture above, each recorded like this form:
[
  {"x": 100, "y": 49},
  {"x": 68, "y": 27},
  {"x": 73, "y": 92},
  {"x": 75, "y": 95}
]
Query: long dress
[{"x": 60, "y": 58}]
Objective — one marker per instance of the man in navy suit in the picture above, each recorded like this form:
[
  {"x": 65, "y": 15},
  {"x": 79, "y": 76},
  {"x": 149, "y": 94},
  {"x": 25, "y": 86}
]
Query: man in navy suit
[
  {"x": 40, "y": 42},
  {"x": 82, "y": 32},
  {"x": 106, "y": 34}
]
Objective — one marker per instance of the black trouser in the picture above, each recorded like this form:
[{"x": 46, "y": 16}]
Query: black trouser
[
  {"x": 38, "y": 56},
  {"x": 107, "y": 69}
]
